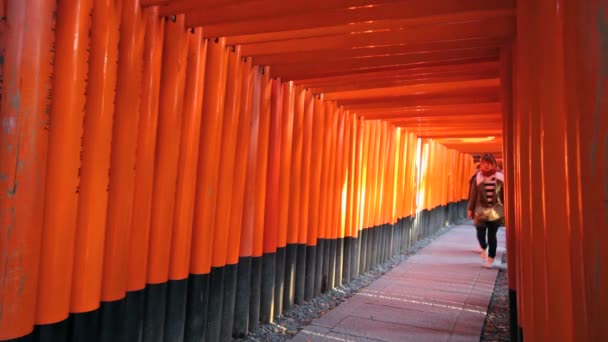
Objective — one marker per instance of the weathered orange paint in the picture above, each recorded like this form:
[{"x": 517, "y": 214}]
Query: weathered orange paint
[
  {"x": 223, "y": 199},
  {"x": 389, "y": 168},
  {"x": 179, "y": 265},
  {"x": 381, "y": 174},
  {"x": 262, "y": 165},
  {"x": 350, "y": 160},
  {"x": 316, "y": 161},
  {"x": 209, "y": 156},
  {"x": 307, "y": 169},
  {"x": 25, "y": 76},
  {"x": 95, "y": 158},
  {"x": 146, "y": 150},
  {"x": 413, "y": 174},
  {"x": 358, "y": 176},
  {"x": 393, "y": 176},
  {"x": 208, "y": 162},
  {"x": 236, "y": 227},
  {"x": 378, "y": 167},
  {"x": 250, "y": 205},
  {"x": 377, "y": 175},
  {"x": 399, "y": 171},
  {"x": 170, "y": 117},
  {"x": 64, "y": 146},
  {"x": 287, "y": 128},
  {"x": 123, "y": 157},
  {"x": 405, "y": 165},
  {"x": 296, "y": 183},
  {"x": 340, "y": 179},
  {"x": 334, "y": 200},
  {"x": 365, "y": 175},
  {"x": 271, "y": 210},
  {"x": 326, "y": 191}
]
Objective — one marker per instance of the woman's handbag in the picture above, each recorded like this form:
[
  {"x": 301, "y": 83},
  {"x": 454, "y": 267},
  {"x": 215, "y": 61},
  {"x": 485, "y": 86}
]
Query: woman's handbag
[{"x": 489, "y": 214}]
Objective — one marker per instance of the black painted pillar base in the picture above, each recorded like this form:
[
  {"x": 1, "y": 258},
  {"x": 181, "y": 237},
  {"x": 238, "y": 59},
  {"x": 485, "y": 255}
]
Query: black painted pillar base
[
  {"x": 84, "y": 326},
  {"x": 136, "y": 307},
  {"x": 513, "y": 329},
  {"x": 196, "y": 308},
  {"x": 175, "y": 321},
  {"x": 291, "y": 254},
  {"x": 113, "y": 320},
  {"x": 156, "y": 307},
  {"x": 363, "y": 251},
  {"x": 379, "y": 245},
  {"x": 256, "y": 293},
  {"x": 300, "y": 281},
  {"x": 311, "y": 264},
  {"x": 325, "y": 273},
  {"x": 216, "y": 301},
  {"x": 346, "y": 275},
  {"x": 230, "y": 279},
  {"x": 371, "y": 248},
  {"x": 52, "y": 332},
  {"x": 356, "y": 250},
  {"x": 319, "y": 267},
  {"x": 27, "y": 338},
  {"x": 279, "y": 282},
  {"x": 339, "y": 262},
  {"x": 243, "y": 292},
  {"x": 333, "y": 248},
  {"x": 520, "y": 334},
  {"x": 267, "y": 293}
]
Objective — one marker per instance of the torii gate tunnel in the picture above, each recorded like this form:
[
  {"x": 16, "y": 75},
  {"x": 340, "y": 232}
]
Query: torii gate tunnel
[{"x": 184, "y": 170}]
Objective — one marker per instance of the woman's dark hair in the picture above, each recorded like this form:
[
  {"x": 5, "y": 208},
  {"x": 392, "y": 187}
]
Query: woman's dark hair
[{"x": 488, "y": 158}]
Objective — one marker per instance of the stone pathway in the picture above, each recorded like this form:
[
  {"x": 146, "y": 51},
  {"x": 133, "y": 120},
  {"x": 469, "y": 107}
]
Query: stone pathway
[{"x": 440, "y": 294}]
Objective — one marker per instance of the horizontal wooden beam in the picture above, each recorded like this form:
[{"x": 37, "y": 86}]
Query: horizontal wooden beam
[
  {"x": 332, "y": 66},
  {"x": 475, "y": 95},
  {"x": 495, "y": 28},
  {"x": 189, "y": 6},
  {"x": 440, "y": 110},
  {"x": 448, "y": 126},
  {"x": 389, "y": 67},
  {"x": 413, "y": 102},
  {"x": 496, "y": 150},
  {"x": 246, "y": 10},
  {"x": 369, "y": 25},
  {"x": 440, "y": 119},
  {"x": 457, "y": 134},
  {"x": 487, "y": 130},
  {"x": 376, "y": 51},
  {"x": 415, "y": 89},
  {"x": 309, "y": 19},
  {"x": 402, "y": 73},
  {"x": 403, "y": 81},
  {"x": 147, "y": 3}
]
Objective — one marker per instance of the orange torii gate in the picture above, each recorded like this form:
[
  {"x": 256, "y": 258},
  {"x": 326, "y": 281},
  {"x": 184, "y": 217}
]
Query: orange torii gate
[{"x": 183, "y": 170}]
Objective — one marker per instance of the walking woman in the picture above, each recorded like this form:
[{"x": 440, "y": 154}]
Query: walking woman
[{"x": 486, "y": 206}]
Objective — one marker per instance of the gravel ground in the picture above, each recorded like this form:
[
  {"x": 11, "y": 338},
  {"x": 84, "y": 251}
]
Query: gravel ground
[
  {"x": 496, "y": 326},
  {"x": 291, "y": 322}
]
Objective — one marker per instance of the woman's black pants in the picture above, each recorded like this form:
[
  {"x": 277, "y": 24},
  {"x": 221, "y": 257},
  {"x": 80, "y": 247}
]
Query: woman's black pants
[{"x": 492, "y": 228}]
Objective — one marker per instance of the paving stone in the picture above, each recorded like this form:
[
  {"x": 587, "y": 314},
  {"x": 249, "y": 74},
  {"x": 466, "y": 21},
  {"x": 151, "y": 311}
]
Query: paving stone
[{"x": 386, "y": 331}]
